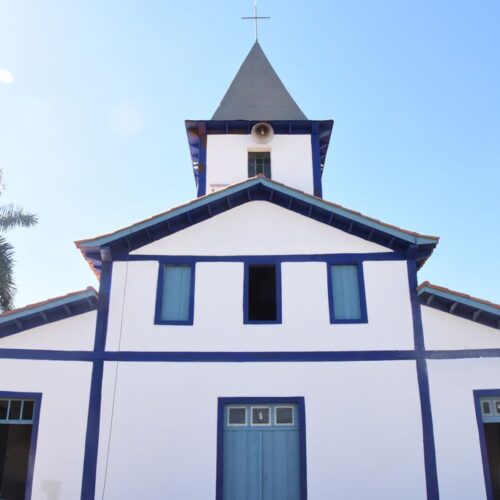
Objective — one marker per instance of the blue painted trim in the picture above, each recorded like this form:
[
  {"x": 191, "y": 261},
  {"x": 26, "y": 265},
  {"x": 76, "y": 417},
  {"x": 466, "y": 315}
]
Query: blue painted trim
[
  {"x": 418, "y": 329},
  {"x": 47, "y": 355},
  {"x": 482, "y": 440},
  {"x": 103, "y": 308},
  {"x": 159, "y": 292},
  {"x": 362, "y": 292},
  {"x": 243, "y": 356},
  {"x": 202, "y": 161},
  {"x": 95, "y": 395},
  {"x": 296, "y": 400},
  {"x": 262, "y": 357},
  {"x": 428, "y": 431},
  {"x": 339, "y": 258},
  {"x": 92, "y": 433},
  {"x": 37, "y": 397},
  {"x": 423, "y": 385},
  {"x": 278, "y": 319},
  {"x": 316, "y": 161},
  {"x": 462, "y": 354}
]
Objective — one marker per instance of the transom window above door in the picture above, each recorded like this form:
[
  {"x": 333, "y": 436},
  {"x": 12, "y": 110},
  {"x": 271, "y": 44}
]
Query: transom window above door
[
  {"x": 16, "y": 411},
  {"x": 261, "y": 416}
]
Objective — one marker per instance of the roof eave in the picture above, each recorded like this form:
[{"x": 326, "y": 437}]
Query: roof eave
[
  {"x": 459, "y": 304},
  {"x": 48, "y": 311},
  {"x": 257, "y": 188}
]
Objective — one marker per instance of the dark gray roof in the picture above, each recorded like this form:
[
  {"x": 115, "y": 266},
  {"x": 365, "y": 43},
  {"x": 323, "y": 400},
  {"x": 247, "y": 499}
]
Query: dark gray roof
[{"x": 257, "y": 93}]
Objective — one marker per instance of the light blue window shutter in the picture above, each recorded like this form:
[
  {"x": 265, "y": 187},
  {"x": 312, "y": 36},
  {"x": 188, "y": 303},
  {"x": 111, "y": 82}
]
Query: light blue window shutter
[
  {"x": 176, "y": 293},
  {"x": 345, "y": 290}
]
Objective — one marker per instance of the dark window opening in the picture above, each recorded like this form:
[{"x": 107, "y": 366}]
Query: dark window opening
[
  {"x": 15, "y": 442},
  {"x": 492, "y": 438},
  {"x": 262, "y": 293},
  {"x": 259, "y": 163}
]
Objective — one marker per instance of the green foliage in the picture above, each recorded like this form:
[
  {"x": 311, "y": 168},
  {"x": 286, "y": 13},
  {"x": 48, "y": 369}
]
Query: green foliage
[{"x": 10, "y": 217}]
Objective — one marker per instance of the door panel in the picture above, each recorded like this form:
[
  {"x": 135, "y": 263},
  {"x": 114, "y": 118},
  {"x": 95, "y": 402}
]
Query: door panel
[{"x": 280, "y": 466}]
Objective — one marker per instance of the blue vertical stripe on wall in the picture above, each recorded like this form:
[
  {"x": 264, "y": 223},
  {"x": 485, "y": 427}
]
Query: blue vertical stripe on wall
[
  {"x": 316, "y": 159},
  {"x": 345, "y": 291},
  {"x": 423, "y": 383},
  {"x": 176, "y": 293},
  {"x": 202, "y": 159},
  {"x": 95, "y": 396}
]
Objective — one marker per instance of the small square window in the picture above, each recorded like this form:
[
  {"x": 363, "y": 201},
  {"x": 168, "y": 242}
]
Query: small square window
[
  {"x": 262, "y": 293},
  {"x": 15, "y": 410},
  {"x": 237, "y": 416},
  {"x": 175, "y": 295},
  {"x": 347, "y": 300},
  {"x": 4, "y": 406},
  {"x": 261, "y": 415},
  {"x": 284, "y": 415},
  {"x": 486, "y": 407},
  {"x": 259, "y": 162},
  {"x": 497, "y": 407},
  {"x": 28, "y": 408}
]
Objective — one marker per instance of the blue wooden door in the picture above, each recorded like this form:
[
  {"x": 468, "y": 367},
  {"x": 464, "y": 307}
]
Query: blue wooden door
[{"x": 261, "y": 452}]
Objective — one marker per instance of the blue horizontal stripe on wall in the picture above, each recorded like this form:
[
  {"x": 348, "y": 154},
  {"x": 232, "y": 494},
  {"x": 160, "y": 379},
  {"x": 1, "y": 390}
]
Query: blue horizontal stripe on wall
[
  {"x": 263, "y": 259},
  {"x": 462, "y": 354},
  {"x": 229, "y": 357}
]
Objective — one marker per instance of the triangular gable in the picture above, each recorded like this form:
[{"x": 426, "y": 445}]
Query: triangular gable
[
  {"x": 123, "y": 241},
  {"x": 260, "y": 228}
]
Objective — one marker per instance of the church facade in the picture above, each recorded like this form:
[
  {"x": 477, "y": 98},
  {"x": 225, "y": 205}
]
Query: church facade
[{"x": 256, "y": 343}]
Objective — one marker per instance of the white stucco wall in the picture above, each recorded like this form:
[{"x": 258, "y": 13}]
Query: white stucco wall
[
  {"x": 218, "y": 311},
  {"x": 446, "y": 331},
  {"x": 363, "y": 425},
  {"x": 75, "y": 333},
  {"x": 259, "y": 228},
  {"x": 291, "y": 160},
  {"x": 458, "y": 454},
  {"x": 60, "y": 447}
]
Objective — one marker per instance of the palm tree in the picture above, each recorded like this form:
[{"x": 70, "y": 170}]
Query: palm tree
[{"x": 10, "y": 217}]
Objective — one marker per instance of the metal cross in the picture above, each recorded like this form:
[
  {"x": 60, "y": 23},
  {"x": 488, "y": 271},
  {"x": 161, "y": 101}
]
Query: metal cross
[{"x": 256, "y": 18}]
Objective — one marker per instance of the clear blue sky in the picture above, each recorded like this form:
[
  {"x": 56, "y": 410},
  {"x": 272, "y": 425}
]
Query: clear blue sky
[{"x": 92, "y": 131}]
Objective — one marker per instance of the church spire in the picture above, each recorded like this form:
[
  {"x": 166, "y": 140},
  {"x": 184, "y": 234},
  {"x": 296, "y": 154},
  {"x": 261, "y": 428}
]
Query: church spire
[{"x": 257, "y": 93}]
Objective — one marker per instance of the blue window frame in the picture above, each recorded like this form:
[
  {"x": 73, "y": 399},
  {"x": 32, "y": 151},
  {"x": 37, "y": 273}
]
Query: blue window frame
[
  {"x": 175, "y": 294},
  {"x": 19, "y": 417},
  {"x": 261, "y": 448},
  {"x": 346, "y": 293},
  {"x": 487, "y": 404},
  {"x": 262, "y": 293}
]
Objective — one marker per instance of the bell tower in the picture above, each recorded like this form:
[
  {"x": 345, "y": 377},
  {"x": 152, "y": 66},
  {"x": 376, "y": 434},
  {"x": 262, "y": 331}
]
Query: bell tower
[{"x": 258, "y": 129}]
